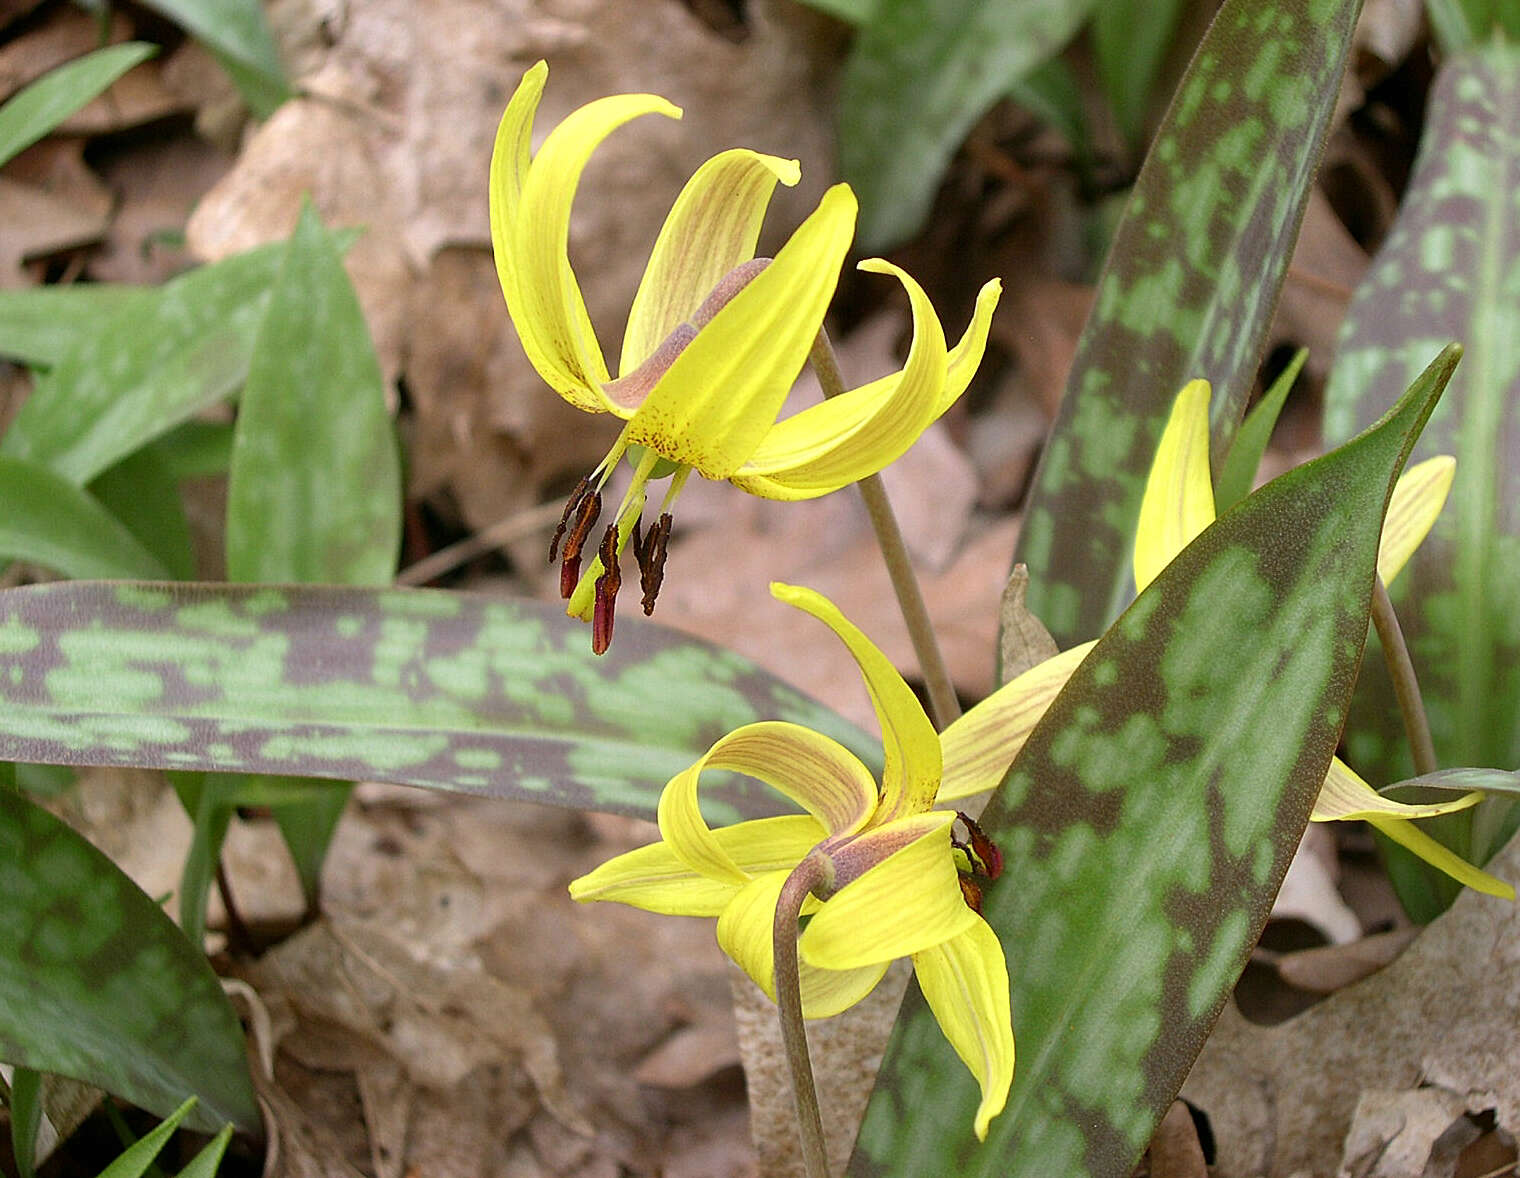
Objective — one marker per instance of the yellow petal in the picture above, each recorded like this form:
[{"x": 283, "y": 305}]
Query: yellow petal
[
  {"x": 965, "y": 982},
  {"x": 1345, "y": 796},
  {"x": 655, "y": 878},
  {"x": 711, "y": 228},
  {"x": 846, "y": 438},
  {"x": 1412, "y": 838},
  {"x": 1179, "y": 497},
  {"x": 530, "y": 228},
  {"x": 979, "y": 747},
  {"x": 907, "y": 902},
  {"x": 721, "y": 395},
  {"x": 912, "y": 761},
  {"x": 1417, "y": 500},
  {"x": 746, "y": 933}
]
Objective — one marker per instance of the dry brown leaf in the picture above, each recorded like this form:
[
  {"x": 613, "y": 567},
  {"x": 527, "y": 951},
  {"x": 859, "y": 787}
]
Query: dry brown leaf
[
  {"x": 690, "y": 1055},
  {"x": 1174, "y": 1150},
  {"x": 1334, "y": 967},
  {"x": 1326, "y": 267},
  {"x": 1281, "y": 1099},
  {"x": 1308, "y": 892},
  {"x": 39, "y": 224},
  {"x": 1023, "y": 640}
]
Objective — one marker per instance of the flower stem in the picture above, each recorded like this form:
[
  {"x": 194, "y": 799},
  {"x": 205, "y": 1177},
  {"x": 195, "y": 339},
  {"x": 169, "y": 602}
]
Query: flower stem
[
  {"x": 944, "y": 707},
  {"x": 1406, "y": 688},
  {"x": 810, "y": 873}
]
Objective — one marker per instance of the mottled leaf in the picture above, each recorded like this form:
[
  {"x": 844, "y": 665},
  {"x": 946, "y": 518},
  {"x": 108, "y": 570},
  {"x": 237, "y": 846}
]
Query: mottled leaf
[
  {"x": 1188, "y": 292},
  {"x": 40, "y": 324},
  {"x": 446, "y": 690},
  {"x": 49, "y": 521},
  {"x": 34, "y": 111},
  {"x": 146, "y": 368},
  {"x": 98, "y": 984},
  {"x": 1148, "y": 822},
  {"x": 918, "y": 77},
  {"x": 237, "y": 33},
  {"x": 1450, "y": 269}
]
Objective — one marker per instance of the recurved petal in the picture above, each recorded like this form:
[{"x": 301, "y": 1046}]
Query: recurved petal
[
  {"x": 1412, "y": 838},
  {"x": 979, "y": 747},
  {"x": 819, "y": 774},
  {"x": 655, "y": 878},
  {"x": 911, "y": 746},
  {"x": 844, "y": 439},
  {"x": 745, "y": 932},
  {"x": 1345, "y": 796},
  {"x": 721, "y": 395},
  {"x": 965, "y": 982},
  {"x": 1179, "y": 496},
  {"x": 545, "y": 300},
  {"x": 711, "y": 228},
  {"x": 909, "y": 900},
  {"x": 1417, "y": 500}
]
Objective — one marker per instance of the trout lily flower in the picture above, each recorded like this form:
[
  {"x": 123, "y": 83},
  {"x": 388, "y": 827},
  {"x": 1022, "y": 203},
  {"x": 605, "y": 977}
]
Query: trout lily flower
[
  {"x": 1177, "y": 505},
  {"x": 898, "y": 867},
  {"x": 714, "y": 340}
]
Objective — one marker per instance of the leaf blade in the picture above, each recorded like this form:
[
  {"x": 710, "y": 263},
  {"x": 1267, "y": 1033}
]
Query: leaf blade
[{"x": 41, "y": 106}]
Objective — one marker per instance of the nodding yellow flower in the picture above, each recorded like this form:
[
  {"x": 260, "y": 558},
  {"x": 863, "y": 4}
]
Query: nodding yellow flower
[
  {"x": 1177, "y": 505},
  {"x": 715, "y": 339},
  {"x": 900, "y": 869}
]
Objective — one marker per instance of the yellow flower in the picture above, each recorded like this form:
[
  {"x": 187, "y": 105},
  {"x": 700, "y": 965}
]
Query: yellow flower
[
  {"x": 1177, "y": 505},
  {"x": 896, "y": 863},
  {"x": 714, "y": 340}
]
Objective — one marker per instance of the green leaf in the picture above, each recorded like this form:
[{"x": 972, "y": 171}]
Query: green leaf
[
  {"x": 1052, "y": 92},
  {"x": 314, "y": 493},
  {"x": 97, "y": 983},
  {"x": 1496, "y": 781},
  {"x": 1130, "y": 40},
  {"x": 195, "y": 450},
  {"x": 1449, "y": 269},
  {"x": 210, "y": 802},
  {"x": 853, "y": 12},
  {"x": 39, "y": 325},
  {"x": 1188, "y": 292},
  {"x": 421, "y": 687},
  {"x": 1451, "y": 26},
  {"x": 142, "y": 493},
  {"x": 49, "y": 521},
  {"x": 205, "y": 1163},
  {"x": 237, "y": 33},
  {"x": 1238, "y": 472},
  {"x": 40, "y": 107},
  {"x": 25, "y": 1119},
  {"x": 146, "y": 369},
  {"x": 918, "y": 77},
  {"x": 1147, "y": 824},
  {"x": 137, "y": 1157}
]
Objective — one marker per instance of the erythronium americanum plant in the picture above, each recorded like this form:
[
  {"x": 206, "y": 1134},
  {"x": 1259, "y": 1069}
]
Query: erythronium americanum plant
[
  {"x": 890, "y": 870},
  {"x": 715, "y": 339}
]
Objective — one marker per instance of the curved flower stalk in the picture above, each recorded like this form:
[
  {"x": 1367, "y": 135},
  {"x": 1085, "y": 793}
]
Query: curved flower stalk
[
  {"x": 897, "y": 866},
  {"x": 715, "y": 339},
  {"x": 1177, "y": 505}
]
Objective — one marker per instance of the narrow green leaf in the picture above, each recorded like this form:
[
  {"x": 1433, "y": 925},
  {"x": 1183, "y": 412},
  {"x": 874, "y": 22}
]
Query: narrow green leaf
[
  {"x": 41, "y": 106},
  {"x": 25, "y": 1119},
  {"x": 1238, "y": 471},
  {"x": 49, "y": 521},
  {"x": 1496, "y": 781},
  {"x": 148, "y": 368},
  {"x": 1130, "y": 40},
  {"x": 449, "y": 691},
  {"x": 39, "y": 325},
  {"x": 918, "y": 77},
  {"x": 1188, "y": 292},
  {"x": 97, "y": 983},
  {"x": 236, "y": 31},
  {"x": 141, "y": 492},
  {"x": 1449, "y": 269},
  {"x": 195, "y": 450},
  {"x": 1449, "y": 22},
  {"x": 1147, "y": 824},
  {"x": 205, "y": 1163},
  {"x": 307, "y": 825},
  {"x": 137, "y": 1157},
  {"x": 214, "y": 800},
  {"x": 314, "y": 493},
  {"x": 853, "y": 12}
]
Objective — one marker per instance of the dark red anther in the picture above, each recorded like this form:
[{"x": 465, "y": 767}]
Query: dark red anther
[
  {"x": 564, "y": 520},
  {"x": 569, "y": 577},
  {"x": 652, "y": 561},
  {"x": 587, "y": 510},
  {"x": 971, "y": 893},
  {"x": 607, "y": 586},
  {"x": 985, "y": 851}
]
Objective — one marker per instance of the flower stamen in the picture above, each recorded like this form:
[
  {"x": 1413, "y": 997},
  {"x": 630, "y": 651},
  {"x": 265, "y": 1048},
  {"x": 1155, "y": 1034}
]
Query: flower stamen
[{"x": 607, "y": 586}]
